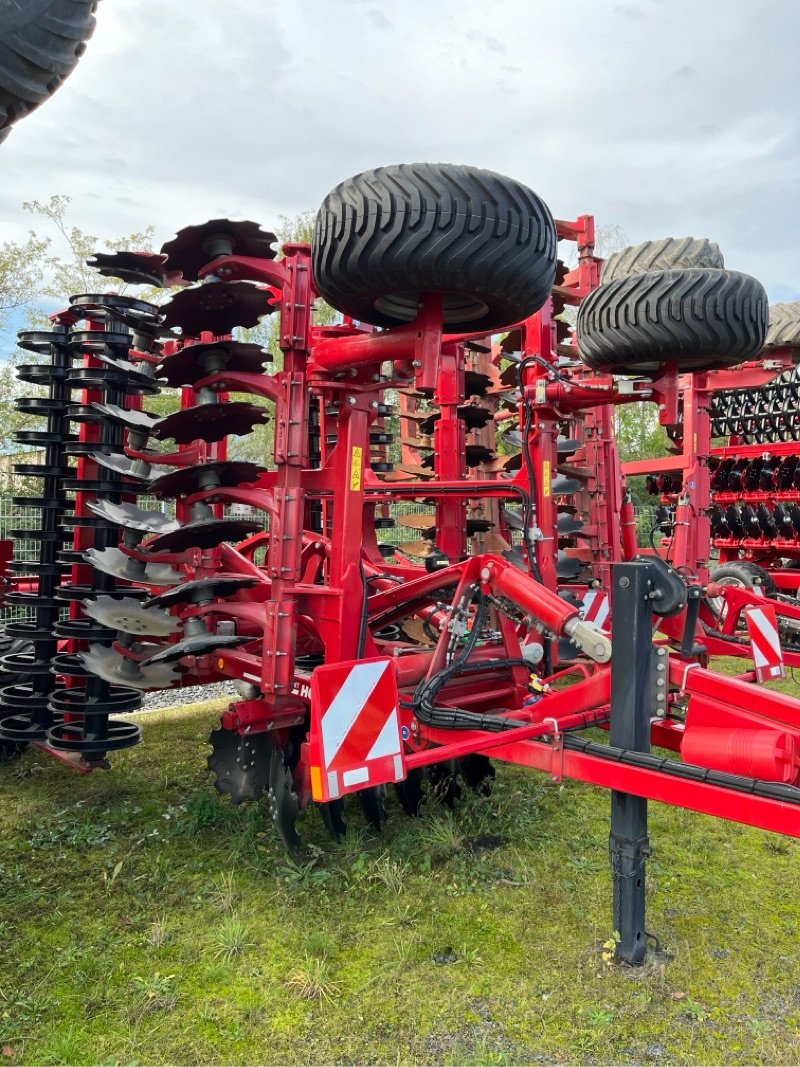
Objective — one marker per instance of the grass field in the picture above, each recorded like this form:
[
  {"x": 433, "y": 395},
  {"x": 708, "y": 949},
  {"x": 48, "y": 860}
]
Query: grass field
[{"x": 146, "y": 920}]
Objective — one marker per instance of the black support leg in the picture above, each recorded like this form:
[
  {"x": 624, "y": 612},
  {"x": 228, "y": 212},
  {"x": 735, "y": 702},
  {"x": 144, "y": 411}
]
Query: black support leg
[{"x": 631, "y": 708}]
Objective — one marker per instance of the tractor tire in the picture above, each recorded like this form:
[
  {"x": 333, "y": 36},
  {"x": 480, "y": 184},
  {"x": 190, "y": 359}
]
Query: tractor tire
[
  {"x": 701, "y": 318},
  {"x": 667, "y": 254},
  {"x": 386, "y": 237},
  {"x": 10, "y": 750},
  {"x": 40, "y": 43},
  {"x": 784, "y": 326},
  {"x": 744, "y": 575}
]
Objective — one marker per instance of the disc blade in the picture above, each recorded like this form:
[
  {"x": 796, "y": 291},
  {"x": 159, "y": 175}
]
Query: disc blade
[
  {"x": 115, "y": 668},
  {"x": 205, "y": 534},
  {"x": 129, "y": 616},
  {"x": 203, "y": 589},
  {"x": 283, "y": 800},
  {"x": 198, "y": 645},
  {"x": 114, "y": 562},
  {"x": 241, "y": 764},
  {"x": 211, "y": 422},
  {"x": 134, "y": 518},
  {"x": 194, "y": 246},
  {"x": 217, "y": 307}
]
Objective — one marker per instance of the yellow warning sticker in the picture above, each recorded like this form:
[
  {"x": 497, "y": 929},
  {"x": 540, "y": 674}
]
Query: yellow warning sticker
[
  {"x": 547, "y": 480},
  {"x": 356, "y": 468}
]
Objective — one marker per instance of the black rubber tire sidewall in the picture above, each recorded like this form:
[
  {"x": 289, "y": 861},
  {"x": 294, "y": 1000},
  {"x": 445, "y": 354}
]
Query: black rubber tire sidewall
[
  {"x": 750, "y": 575},
  {"x": 41, "y": 41},
  {"x": 665, "y": 254},
  {"x": 413, "y": 228},
  {"x": 702, "y": 318}
]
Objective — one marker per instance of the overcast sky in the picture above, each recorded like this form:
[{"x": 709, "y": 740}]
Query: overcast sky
[{"x": 664, "y": 117}]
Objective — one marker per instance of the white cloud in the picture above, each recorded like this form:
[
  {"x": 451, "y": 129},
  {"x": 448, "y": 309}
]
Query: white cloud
[{"x": 663, "y": 118}]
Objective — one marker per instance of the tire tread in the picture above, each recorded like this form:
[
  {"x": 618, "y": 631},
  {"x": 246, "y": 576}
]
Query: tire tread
[
  {"x": 434, "y": 227},
  {"x": 702, "y": 318}
]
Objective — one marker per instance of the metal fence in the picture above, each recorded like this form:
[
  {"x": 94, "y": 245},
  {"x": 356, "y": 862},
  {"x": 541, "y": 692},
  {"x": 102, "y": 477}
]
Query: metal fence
[{"x": 13, "y": 516}]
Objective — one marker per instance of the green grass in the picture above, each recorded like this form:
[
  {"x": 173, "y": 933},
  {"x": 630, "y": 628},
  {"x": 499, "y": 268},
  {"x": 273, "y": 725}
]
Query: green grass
[{"x": 146, "y": 920}]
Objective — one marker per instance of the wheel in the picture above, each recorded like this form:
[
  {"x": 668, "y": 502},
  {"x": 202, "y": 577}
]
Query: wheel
[
  {"x": 699, "y": 317},
  {"x": 666, "y": 254},
  {"x": 40, "y": 43},
  {"x": 784, "y": 325},
  {"x": 13, "y": 646},
  {"x": 743, "y": 576},
  {"x": 385, "y": 237}
]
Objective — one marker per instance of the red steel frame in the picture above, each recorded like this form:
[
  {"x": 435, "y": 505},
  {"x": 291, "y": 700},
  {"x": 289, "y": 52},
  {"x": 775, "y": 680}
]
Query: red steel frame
[
  {"x": 312, "y": 586},
  {"x": 331, "y": 591}
]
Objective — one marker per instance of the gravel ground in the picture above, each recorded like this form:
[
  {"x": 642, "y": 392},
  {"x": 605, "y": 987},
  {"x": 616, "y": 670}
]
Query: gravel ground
[{"x": 190, "y": 694}]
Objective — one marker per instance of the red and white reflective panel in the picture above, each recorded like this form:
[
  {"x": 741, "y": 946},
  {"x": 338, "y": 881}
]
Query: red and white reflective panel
[
  {"x": 762, "y": 626},
  {"x": 355, "y": 728},
  {"x": 595, "y": 607}
]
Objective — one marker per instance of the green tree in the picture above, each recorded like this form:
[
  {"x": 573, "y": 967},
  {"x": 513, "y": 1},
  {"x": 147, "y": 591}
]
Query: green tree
[
  {"x": 66, "y": 272},
  {"x": 22, "y": 269}
]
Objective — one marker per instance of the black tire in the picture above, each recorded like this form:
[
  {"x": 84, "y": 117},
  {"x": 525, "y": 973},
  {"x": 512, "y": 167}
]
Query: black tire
[
  {"x": 666, "y": 254},
  {"x": 40, "y": 43},
  {"x": 745, "y": 575},
  {"x": 784, "y": 326},
  {"x": 385, "y": 237},
  {"x": 701, "y": 318}
]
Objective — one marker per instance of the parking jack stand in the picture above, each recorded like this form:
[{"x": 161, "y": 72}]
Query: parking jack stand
[{"x": 631, "y": 700}]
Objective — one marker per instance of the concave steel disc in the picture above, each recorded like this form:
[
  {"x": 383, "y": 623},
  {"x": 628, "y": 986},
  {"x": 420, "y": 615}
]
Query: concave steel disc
[
  {"x": 113, "y": 667},
  {"x": 567, "y": 524},
  {"x": 474, "y": 418},
  {"x": 283, "y": 800},
  {"x": 134, "y": 518},
  {"x": 133, "y": 420},
  {"x": 198, "y": 361},
  {"x": 207, "y": 533},
  {"x": 136, "y": 268},
  {"x": 124, "y": 465},
  {"x": 202, "y": 589},
  {"x": 129, "y": 616},
  {"x": 115, "y": 562},
  {"x": 211, "y": 422},
  {"x": 567, "y": 567},
  {"x": 139, "y": 315},
  {"x": 195, "y": 246},
  {"x": 475, "y": 383},
  {"x": 217, "y": 307},
  {"x": 563, "y": 486},
  {"x": 241, "y": 764},
  {"x": 197, "y": 645},
  {"x": 474, "y": 455},
  {"x": 223, "y": 472}
]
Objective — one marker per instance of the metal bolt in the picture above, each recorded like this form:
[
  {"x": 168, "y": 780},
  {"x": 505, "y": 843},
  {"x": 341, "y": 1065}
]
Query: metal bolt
[{"x": 624, "y": 583}]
